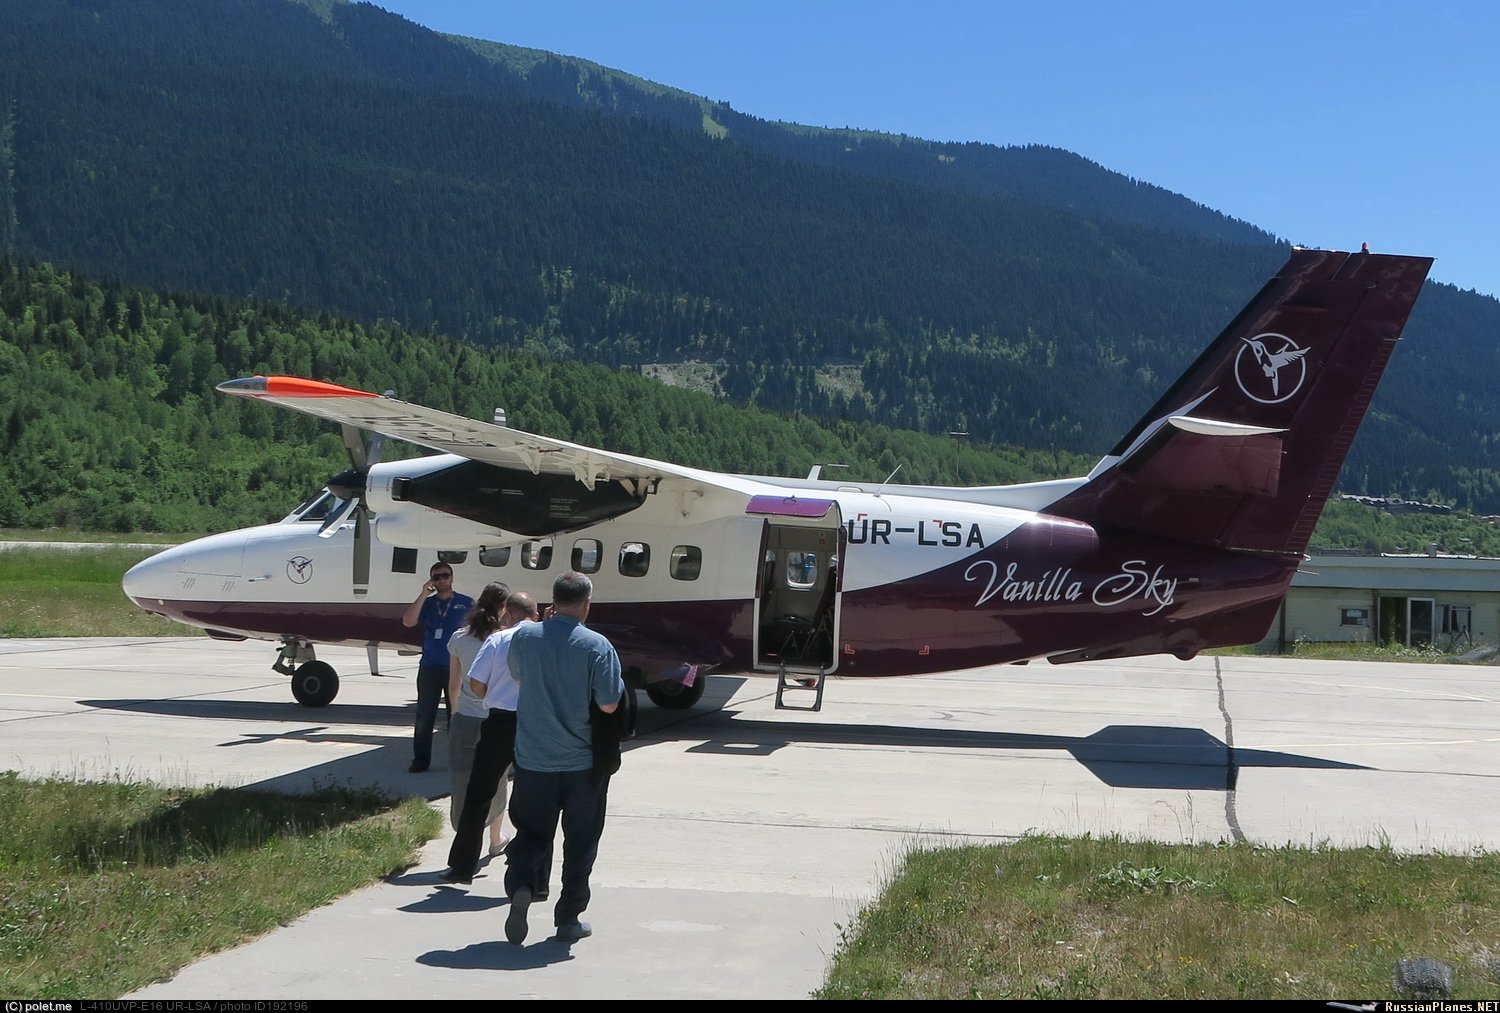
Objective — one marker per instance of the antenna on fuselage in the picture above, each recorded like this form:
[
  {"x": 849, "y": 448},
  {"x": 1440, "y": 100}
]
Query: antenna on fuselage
[
  {"x": 817, "y": 471},
  {"x": 888, "y": 478}
]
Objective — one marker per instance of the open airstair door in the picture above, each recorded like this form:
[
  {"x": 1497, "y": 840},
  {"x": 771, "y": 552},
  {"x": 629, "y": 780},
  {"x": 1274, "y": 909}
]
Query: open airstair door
[{"x": 797, "y": 590}]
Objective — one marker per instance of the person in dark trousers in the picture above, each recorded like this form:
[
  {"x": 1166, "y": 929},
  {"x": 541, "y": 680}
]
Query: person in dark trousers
[
  {"x": 489, "y": 679},
  {"x": 438, "y": 609},
  {"x": 562, "y": 666}
]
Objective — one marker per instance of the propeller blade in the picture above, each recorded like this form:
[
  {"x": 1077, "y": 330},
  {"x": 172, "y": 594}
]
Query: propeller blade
[
  {"x": 336, "y": 517},
  {"x": 355, "y": 446},
  {"x": 362, "y": 550},
  {"x": 350, "y": 484}
]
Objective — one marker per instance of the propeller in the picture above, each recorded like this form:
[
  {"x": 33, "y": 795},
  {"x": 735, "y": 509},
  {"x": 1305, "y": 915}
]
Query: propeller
[{"x": 349, "y": 486}]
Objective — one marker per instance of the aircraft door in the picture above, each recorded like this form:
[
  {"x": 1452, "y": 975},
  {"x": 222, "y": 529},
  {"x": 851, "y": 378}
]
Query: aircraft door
[{"x": 799, "y": 587}]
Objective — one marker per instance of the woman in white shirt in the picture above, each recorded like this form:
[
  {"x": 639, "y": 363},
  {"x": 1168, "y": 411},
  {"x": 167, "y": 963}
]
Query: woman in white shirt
[{"x": 469, "y": 711}]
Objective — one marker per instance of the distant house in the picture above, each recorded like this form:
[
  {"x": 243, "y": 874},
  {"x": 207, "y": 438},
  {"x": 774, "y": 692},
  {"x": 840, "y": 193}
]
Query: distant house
[{"x": 1450, "y": 601}]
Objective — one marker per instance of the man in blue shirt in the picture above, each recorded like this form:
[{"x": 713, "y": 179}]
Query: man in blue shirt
[
  {"x": 561, "y": 666},
  {"x": 439, "y": 610}
]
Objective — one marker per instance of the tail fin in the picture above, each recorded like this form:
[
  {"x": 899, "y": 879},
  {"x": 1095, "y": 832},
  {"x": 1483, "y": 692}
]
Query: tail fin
[{"x": 1244, "y": 449}]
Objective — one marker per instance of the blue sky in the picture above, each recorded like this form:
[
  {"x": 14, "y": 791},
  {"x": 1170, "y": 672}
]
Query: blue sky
[{"x": 1328, "y": 123}]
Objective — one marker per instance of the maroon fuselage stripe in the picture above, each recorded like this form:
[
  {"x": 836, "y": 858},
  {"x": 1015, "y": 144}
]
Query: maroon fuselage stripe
[{"x": 992, "y": 607}]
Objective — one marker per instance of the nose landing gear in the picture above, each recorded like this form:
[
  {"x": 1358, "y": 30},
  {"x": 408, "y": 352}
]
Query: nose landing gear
[{"x": 314, "y": 682}]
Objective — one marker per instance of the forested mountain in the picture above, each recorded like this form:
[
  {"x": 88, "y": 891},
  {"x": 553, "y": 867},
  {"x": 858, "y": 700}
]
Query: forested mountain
[
  {"x": 333, "y": 156},
  {"x": 1046, "y": 175},
  {"x": 109, "y": 419}
]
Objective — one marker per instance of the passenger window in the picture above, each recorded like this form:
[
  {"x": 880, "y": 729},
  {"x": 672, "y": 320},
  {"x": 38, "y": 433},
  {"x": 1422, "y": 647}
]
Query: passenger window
[
  {"x": 403, "y": 560},
  {"x": 686, "y": 562},
  {"x": 495, "y": 557},
  {"x": 536, "y": 555},
  {"x": 802, "y": 570},
  {"x": 635, "y": 559},
  {"x": 452, "y": 556},
  {"x": 588, "y": 553}
]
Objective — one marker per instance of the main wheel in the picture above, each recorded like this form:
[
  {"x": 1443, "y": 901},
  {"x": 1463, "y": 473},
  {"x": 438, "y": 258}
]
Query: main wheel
[
  {"x": 674, "y": 695},
  {"x": 315, "y": 684},
  {"x": 632, "y": 710}
]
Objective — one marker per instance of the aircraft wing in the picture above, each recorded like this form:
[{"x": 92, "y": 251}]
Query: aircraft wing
[{"x": 479, "y": 441}]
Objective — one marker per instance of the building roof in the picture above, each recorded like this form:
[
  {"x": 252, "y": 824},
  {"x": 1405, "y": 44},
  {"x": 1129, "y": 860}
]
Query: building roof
[{"x": 1400, "y": 572}]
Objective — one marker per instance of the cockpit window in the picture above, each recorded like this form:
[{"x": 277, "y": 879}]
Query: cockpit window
[{"x": 317, "y": 508}]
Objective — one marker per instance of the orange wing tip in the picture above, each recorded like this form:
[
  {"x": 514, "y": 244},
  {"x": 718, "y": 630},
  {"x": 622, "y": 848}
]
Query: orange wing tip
[{"x": 287, "y": 386}]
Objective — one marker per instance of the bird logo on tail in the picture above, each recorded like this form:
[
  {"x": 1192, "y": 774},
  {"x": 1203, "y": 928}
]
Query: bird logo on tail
[{"x": 1272, "y": 353}]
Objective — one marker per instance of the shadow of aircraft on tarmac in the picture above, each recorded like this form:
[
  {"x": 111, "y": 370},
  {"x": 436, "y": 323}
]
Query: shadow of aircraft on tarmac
[{"x": 1121, "y": 756}]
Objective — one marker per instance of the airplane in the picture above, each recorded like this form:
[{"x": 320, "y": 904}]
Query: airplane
[{"x": 1183, "y": 537}]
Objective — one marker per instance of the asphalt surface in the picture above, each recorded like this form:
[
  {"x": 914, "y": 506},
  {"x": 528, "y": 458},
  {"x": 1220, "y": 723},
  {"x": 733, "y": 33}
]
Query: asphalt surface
[{"x": 742, "y": 838}]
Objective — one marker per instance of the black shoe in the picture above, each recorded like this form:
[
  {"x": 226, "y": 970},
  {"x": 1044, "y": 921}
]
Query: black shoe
[
  {"x": 417, "y": 766},
  {"x": 515, "y": 922},
  {"x": 574, "y": 931},
  {"x": 454, "y": 876}
]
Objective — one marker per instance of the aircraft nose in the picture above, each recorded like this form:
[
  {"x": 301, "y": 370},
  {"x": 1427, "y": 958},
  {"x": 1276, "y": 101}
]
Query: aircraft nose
[
  {"x": 152, "y": 578},
  {"x": 170, "y": 574}
]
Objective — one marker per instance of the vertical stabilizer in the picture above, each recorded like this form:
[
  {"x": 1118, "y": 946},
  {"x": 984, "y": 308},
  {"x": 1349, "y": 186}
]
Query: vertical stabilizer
[{"x": 1244, "y": 449}]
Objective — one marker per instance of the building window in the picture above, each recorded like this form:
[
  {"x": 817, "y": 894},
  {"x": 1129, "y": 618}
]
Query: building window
[
  {"x": 536, "y": 555},
  {"x": 587, "y": 553},
  {"x": 686, "y": 562},
  {"x": 495, "y": 557},
  {"x": 1354, "y": 617},
  {"x": 635, "y": 559},
  {"x": 1458, "y": 618}
]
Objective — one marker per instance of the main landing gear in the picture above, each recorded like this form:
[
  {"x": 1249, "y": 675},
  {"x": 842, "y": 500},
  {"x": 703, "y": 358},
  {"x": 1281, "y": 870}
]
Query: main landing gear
[
  {"x": 669, "y": 694},
  {"x": 314, "y": 682}
]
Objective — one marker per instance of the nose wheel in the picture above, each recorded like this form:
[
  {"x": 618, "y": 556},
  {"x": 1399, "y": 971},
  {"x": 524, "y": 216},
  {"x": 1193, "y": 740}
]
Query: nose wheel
[{"x": 315, "y": 684}]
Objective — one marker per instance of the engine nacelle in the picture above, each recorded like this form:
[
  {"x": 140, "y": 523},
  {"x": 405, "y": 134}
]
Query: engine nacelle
[
  {"x": 414, "y": 526},
  {"x": 399, "y": 522}
]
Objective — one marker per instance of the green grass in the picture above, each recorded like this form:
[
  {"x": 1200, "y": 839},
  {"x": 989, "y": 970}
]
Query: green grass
[
  {"x": 107, "y": 887},
  {"x": 1430, "y": 653},
  {"x": 74, "y": 593},
  {"x": 1105, "y": 918},
  {"x": 1379, "y": 652}
]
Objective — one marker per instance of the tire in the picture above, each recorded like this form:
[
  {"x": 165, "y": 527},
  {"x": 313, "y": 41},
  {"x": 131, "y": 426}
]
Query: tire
[
  {"x": 315, "y": 684},
  {"x": 674, "y": 695},
  {"x": 632, "y": 709}
]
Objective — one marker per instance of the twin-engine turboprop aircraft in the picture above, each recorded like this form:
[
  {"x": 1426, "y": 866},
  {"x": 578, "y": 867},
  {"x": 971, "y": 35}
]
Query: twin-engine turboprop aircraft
[{"x": 1184, "y": 537}]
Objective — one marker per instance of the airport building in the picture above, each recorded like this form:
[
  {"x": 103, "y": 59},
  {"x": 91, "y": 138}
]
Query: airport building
[{"x": 1434, "y": 598}]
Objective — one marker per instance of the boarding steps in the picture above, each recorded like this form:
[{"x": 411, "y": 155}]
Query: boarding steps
[{"x": 800, "y": 681}]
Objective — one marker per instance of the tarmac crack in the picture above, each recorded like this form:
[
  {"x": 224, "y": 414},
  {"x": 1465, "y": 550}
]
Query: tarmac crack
[{"x": 1231, "y": 767}]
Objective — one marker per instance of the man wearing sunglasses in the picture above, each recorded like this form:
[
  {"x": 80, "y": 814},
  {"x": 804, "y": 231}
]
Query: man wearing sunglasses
[{"x": 439, "y": 610}]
